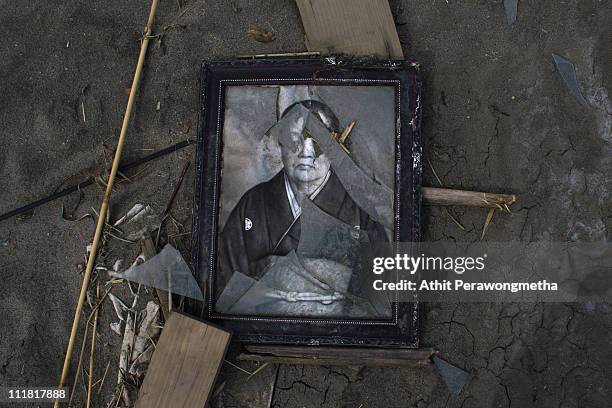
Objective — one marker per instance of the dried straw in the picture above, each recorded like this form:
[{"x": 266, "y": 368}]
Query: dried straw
[{"x": 93, "y": 348}]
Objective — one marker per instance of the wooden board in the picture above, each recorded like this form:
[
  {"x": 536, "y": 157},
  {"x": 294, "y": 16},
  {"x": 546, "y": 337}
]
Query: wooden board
[
  {"x": 356, "y": 356},
  {"x": 352, "y": 27},
  {"x": 185, "y": 364}
]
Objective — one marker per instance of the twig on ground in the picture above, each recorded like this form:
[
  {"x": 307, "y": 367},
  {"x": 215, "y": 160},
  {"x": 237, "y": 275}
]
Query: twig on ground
[
  {"x": 435, "y": 173},
  {"x": 93, "y": 348},
  {"x": 455, "y": 220},
  {"x": 487, "y": 222},
  {"x": 76, "y": 377},
  {"x": 176, "y": 190},
  {"x": 104, "y": 377},
  {"x": 249, "y": 373}
]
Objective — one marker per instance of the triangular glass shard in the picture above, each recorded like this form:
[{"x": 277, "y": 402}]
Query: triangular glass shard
[
  {"x": 454, "y": 377},
  {"x": 167, "y": 271},
  {"x": 567, "y": 70}
]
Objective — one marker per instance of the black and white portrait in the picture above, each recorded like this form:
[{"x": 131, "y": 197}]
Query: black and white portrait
[{"x": 306, "y": 188}]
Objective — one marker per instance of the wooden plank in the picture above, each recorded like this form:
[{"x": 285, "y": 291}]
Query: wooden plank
[
  {"x": 185, "y": 364},
  {"x": 357, "y": 356},
  {"x": 366, "y": 27},
  {"x": 447, "y": 196},
  {"x": 355, "y": 27}
]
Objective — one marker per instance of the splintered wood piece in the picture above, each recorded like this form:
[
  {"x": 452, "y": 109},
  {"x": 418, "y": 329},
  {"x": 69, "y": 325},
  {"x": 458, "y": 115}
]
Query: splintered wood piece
[
  {"x": 185, "y": 364},
  {"x": 356, "y": 356},
  {"x": 148, "y": 249},
  {"x": 356, "y": 27},
  {"x": 346, "y": 132},
  {"x": 447, "y": 196}
]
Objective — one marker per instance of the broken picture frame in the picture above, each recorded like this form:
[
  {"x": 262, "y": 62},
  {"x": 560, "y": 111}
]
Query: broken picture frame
[{"x": 302, "y": 167}]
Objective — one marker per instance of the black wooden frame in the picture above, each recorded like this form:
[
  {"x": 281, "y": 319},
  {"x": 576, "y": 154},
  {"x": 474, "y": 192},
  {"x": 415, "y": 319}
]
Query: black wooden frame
[{"x": 403, "y": 328}]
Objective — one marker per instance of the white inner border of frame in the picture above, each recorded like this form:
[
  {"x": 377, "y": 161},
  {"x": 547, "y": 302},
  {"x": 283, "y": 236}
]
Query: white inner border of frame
[{"x": 211, "y": 263}]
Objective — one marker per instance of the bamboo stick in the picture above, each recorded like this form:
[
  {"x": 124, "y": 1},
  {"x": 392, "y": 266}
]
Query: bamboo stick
[
  {"x": 107, "y": 193},
  {"x": 447, "y": 196},
  {"x": 93, "y": 348}
]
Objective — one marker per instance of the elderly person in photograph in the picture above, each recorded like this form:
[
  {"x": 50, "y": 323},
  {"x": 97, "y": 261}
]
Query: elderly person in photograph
[{"x": 266, "y": 221}]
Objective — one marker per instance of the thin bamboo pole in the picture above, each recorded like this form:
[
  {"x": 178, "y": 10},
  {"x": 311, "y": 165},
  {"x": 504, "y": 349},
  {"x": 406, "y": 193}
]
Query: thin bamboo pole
[
  {"x": 93, "y": 348},
  {"x": 107, "y": 193}
]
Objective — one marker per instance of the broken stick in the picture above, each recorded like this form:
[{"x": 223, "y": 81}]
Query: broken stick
[
  {"x": 148, "y": 249},
  {"x": 109, "y": 189},
  {"x": 447, "y": 196}
]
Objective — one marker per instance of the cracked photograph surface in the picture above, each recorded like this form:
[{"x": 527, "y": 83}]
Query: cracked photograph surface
[{"x": 306, "y": 187}]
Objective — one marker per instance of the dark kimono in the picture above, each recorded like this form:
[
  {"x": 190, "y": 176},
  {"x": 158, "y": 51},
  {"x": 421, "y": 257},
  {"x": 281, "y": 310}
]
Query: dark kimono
[{"x": 263, "y": 215}]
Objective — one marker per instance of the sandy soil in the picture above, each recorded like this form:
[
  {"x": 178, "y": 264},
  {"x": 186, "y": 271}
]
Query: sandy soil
[{"x": 497, "y": 117}]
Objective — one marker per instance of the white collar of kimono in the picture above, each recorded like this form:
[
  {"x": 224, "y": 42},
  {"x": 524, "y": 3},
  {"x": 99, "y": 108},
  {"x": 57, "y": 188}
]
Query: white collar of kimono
[{"x": 296, "y": 209}]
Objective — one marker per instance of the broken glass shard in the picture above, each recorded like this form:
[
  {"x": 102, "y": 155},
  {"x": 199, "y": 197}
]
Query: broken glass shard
[
  {"x": 167, "y": 271},
  {"x": 567, "y": 70}
]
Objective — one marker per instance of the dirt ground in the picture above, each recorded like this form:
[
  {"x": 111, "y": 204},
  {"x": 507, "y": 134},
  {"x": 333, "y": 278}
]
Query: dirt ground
[{"x": 497, "y": 117}]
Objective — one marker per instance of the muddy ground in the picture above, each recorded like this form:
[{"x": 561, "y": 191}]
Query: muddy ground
[{"x": 497, "y": 117}]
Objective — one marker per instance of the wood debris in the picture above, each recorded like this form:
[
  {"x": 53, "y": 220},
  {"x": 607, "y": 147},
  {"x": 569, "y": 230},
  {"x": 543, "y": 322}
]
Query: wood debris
[
  {"x": 487, "y": 223},
  {"x": 365, "y": 28},
  {"x": 261, "y": 35},
  {"x": 139, "y": 336},
  {"x": 189, "y": 352},
  {"x": 93, "y": 347}
]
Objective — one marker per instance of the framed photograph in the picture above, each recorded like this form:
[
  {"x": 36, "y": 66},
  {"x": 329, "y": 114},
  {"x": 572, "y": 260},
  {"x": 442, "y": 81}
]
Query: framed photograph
[{"x": 303, "y": 166}]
